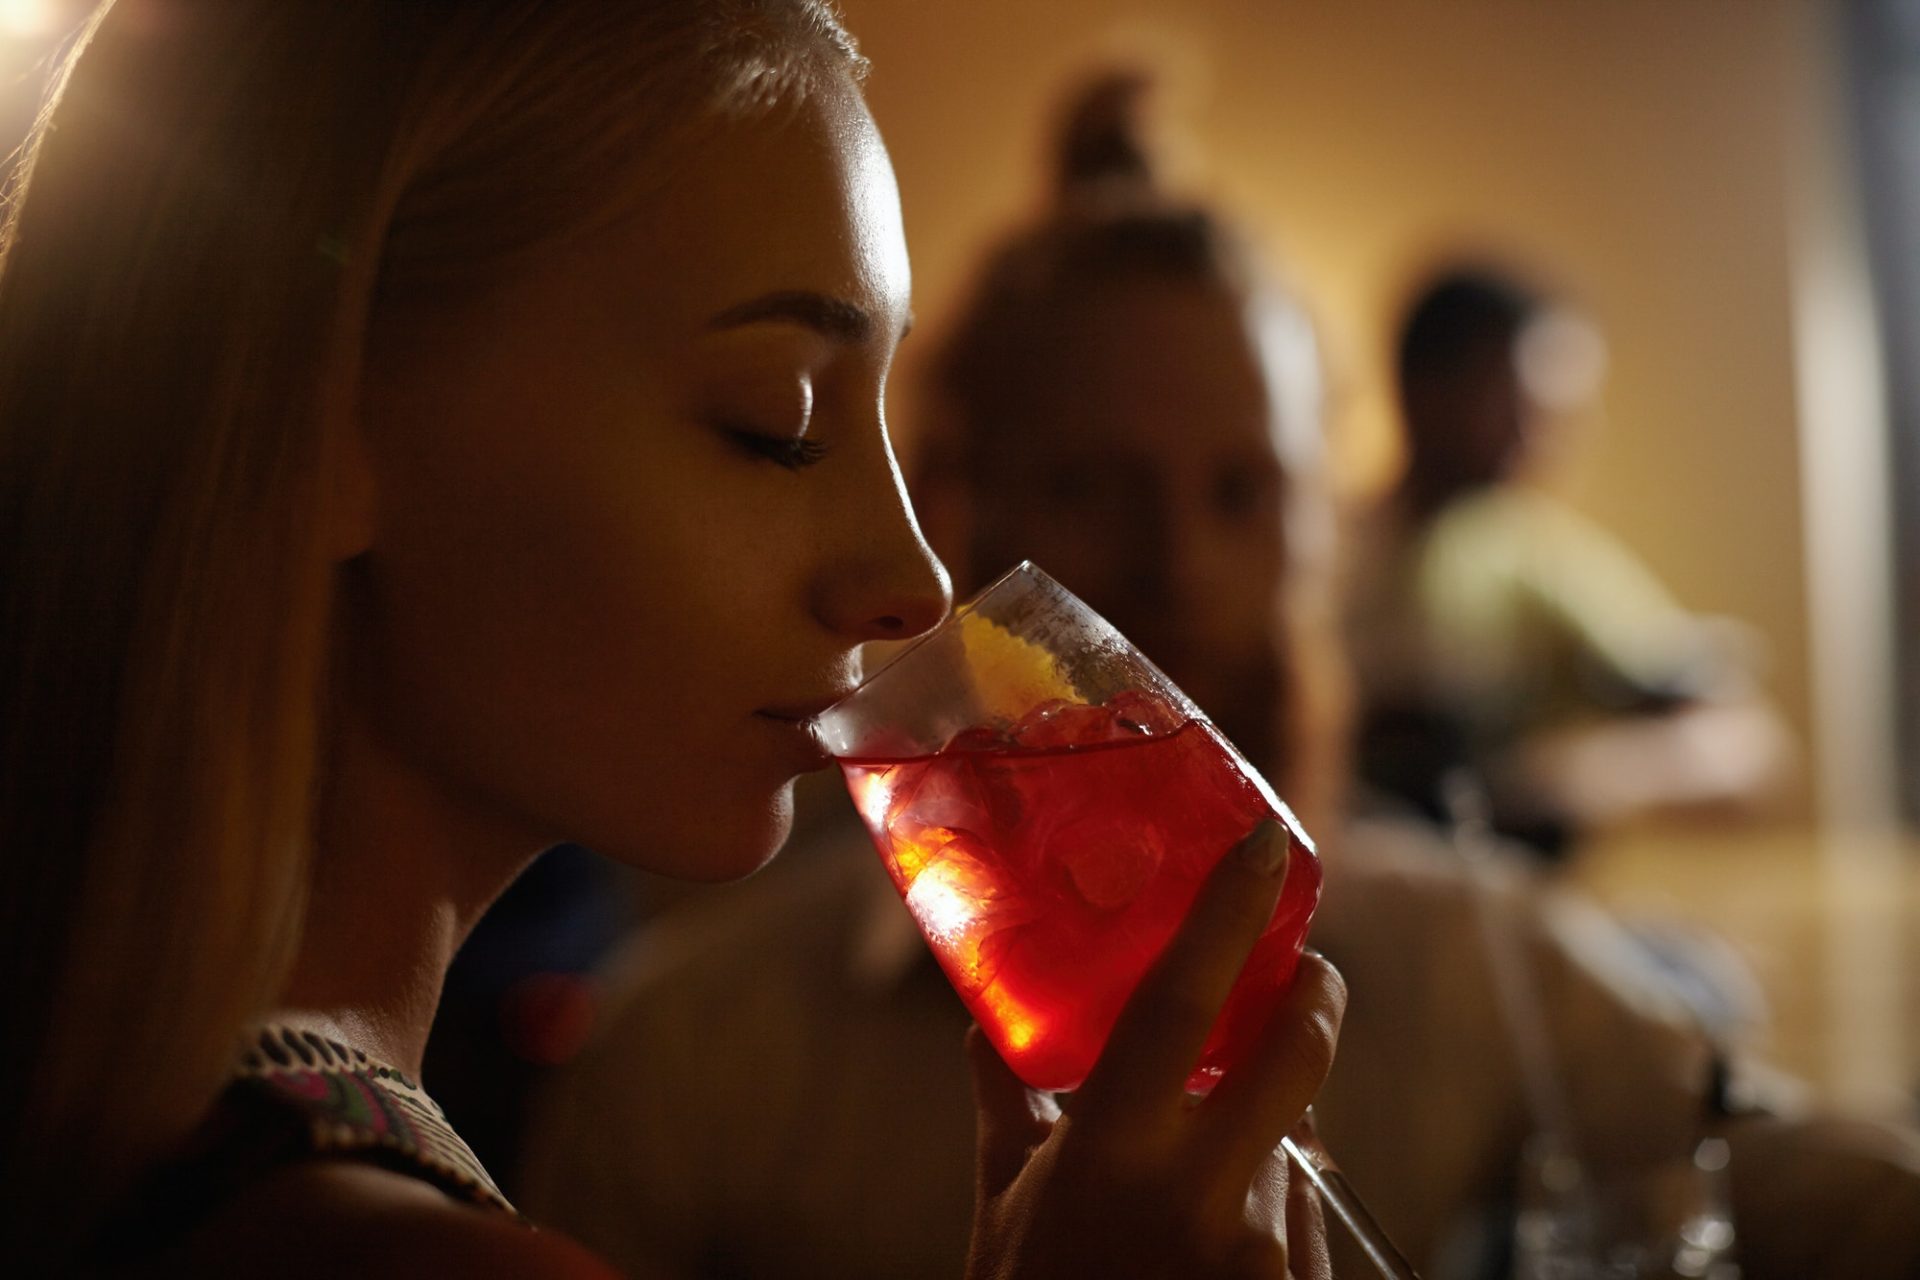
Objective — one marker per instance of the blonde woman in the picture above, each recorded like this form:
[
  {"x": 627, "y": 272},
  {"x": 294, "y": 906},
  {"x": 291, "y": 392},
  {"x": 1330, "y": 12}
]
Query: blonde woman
[{"x": 429, "y": 432}]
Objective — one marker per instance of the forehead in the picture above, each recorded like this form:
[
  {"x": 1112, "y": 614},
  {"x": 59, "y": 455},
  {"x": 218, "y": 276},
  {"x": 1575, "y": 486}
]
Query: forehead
[
  {"x": 801, "y": 197},
  {"x": 1153, "y": 367}
]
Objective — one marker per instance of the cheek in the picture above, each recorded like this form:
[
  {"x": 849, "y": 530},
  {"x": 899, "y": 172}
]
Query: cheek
[{"x": 569, "y": 624}]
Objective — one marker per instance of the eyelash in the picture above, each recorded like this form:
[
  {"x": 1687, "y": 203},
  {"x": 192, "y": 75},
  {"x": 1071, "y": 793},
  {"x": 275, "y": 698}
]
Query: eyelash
[{"x": 793, "y": 454}]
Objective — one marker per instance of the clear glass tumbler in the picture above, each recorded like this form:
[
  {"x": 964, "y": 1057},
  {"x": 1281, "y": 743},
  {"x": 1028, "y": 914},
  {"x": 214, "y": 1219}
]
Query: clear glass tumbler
[{"x": 1048, "y": 804}]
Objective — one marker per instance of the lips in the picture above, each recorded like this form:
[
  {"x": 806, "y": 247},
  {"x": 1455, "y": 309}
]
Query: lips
[
  {"x": 795, "y": 720},
  {"x": 807, "y": 710}
]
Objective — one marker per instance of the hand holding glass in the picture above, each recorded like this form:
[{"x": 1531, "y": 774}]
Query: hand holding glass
[{"x": 1049, "y": 804}]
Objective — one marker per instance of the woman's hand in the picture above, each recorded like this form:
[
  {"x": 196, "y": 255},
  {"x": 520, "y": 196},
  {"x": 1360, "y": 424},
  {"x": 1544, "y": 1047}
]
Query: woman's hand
[{"x": 1136, "y": 1179}]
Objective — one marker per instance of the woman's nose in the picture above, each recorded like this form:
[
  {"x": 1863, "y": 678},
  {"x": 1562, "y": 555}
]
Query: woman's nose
[
  {"x": 886, "y": 584},
  {"x": 887, "y": 594}
]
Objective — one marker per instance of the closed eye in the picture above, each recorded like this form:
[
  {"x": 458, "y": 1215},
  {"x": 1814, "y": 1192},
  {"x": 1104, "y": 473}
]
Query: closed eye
[{"x": 791, "y": 452}]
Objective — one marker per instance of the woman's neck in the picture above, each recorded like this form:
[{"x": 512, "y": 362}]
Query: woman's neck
[{"x": 402, "y": 873}]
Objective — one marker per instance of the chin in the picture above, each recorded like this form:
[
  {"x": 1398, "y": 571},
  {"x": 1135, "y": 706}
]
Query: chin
[{"x": 718, "y": 843}]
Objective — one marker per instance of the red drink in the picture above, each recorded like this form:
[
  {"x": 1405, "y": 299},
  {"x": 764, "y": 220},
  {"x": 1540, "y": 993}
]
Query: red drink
[{"x": 1049, "y": 864}]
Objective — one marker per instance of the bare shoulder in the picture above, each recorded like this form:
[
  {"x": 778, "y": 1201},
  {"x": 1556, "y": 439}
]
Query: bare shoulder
[{"x": 337, "y": 1217}]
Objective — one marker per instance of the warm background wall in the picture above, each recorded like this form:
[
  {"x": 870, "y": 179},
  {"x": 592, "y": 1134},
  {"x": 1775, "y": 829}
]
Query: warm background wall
[{"x": 1636, "y": 149}]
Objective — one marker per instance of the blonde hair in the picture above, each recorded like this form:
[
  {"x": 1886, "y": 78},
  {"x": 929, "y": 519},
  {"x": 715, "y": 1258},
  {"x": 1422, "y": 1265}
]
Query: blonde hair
[{"x": 216, "y": 206}]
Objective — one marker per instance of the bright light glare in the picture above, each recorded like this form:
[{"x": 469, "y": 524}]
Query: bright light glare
[
  {"x": 945, "y": 902},
  {"x": 28, "y": 19},
  {"x": 872, "y": 790},
  {"x": 1016, "y": 1023}
]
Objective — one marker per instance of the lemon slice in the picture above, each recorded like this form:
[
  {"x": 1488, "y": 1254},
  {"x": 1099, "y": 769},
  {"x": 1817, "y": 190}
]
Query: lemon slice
[{"x": 1012, "y": 675}]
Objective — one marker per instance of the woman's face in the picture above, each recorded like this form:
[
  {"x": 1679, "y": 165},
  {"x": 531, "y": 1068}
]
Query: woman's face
[{"x": 636, "y": 506}]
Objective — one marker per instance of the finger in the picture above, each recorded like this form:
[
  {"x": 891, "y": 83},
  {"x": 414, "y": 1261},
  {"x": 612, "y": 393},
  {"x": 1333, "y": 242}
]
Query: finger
[
  {"x": 1266, "y": 1200},
  {"x": 1164, "y": 1025},
  {"x": 1011, "y": 1119},
  {"x": 1307, "y": 1251},
  {"x": 1264, "y": 1096}
]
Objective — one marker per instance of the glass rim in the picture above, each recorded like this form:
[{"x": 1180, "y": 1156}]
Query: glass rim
[{"x": 1026, "y": 569}]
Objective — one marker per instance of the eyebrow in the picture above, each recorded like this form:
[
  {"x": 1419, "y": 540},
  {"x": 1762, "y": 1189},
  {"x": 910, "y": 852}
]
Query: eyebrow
[{"x": 825, "y": 314}]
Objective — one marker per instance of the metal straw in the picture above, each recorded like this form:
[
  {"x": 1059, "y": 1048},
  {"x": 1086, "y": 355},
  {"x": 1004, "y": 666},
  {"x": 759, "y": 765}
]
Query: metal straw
[{"x": 1337, "y": 1194}]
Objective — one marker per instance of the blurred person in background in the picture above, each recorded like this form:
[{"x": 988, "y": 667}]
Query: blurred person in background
[
  {"x": 1127, "y": 400},
  {"x": 1498, "y": 636}
]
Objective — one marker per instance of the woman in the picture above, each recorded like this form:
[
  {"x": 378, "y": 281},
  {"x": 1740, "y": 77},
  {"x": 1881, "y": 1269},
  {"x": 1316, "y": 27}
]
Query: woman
[{"x": 432, "y": 432}]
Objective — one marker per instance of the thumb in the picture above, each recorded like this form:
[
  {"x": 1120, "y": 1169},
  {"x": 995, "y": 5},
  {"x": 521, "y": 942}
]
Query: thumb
[{"x": 1011, "y": 1119}]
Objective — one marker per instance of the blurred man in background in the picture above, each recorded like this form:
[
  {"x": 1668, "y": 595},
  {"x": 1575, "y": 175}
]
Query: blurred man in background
[{"x": 1499, "y": 636}]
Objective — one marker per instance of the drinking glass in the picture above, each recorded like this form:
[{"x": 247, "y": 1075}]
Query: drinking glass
[{"x": 1048, "y": 804}]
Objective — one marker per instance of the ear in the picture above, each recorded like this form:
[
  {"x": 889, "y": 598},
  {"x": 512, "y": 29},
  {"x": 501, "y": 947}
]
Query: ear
[{"x": 350, "y": 504}]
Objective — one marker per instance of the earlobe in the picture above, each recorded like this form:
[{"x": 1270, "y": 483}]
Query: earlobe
[{"x": 350, "y": 503}]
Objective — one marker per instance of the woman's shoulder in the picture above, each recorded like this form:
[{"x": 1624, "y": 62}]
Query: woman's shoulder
[
  {"x": 318, "y": 1155},
  {"x": 343, "y": 1217}
]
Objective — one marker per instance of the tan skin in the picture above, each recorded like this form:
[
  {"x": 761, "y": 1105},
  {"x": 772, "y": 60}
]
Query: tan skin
[{"x": 585, "y": 596}]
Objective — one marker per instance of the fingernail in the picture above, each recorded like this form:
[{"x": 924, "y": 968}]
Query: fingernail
[{"x": 1266, "y": 847}]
